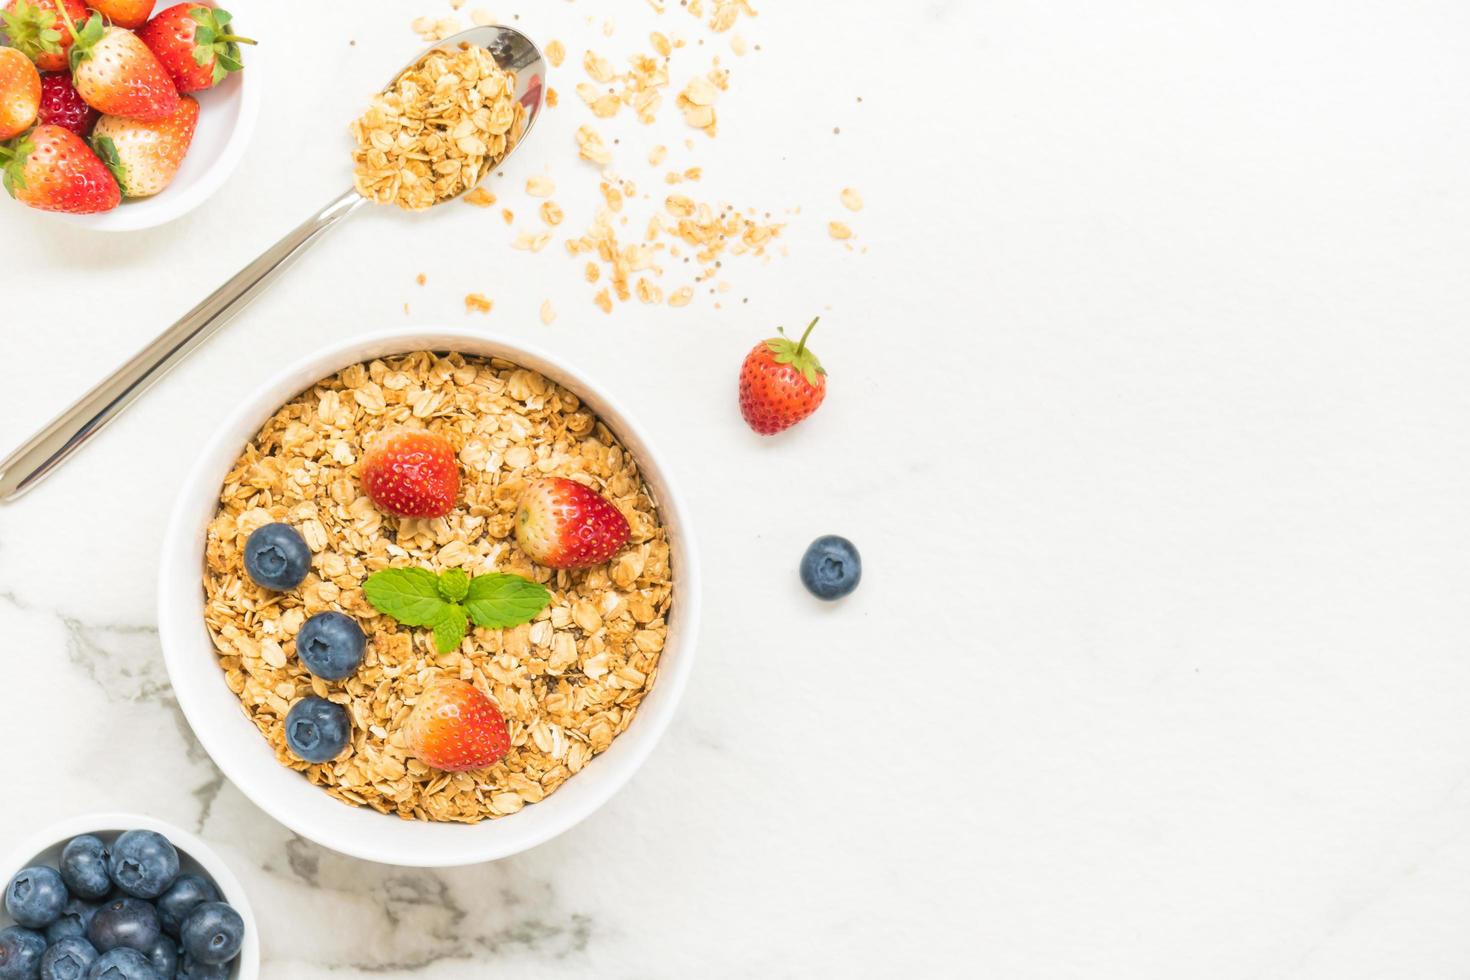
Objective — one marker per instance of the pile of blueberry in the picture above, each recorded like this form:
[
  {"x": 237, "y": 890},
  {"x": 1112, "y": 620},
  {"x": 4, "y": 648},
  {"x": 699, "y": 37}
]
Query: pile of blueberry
[
  {"x": 119, "y": 913},
  {"x": 330, "y": 644}
]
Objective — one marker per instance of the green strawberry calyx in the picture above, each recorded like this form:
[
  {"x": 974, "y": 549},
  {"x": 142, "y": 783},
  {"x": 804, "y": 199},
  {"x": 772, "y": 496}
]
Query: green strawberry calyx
[
  {"x": 83, "y": 41},
  {"x": 214, "y": 42},
  {"x": 31, "y": 29},
  {"x": 797, "y": 354},
  {"x": 106, "y": 151},
  {"x": 13, "y": 156}
]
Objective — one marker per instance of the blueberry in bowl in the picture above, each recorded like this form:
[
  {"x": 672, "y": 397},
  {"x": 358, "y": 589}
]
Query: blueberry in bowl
[{"x": 195, "y": 922}]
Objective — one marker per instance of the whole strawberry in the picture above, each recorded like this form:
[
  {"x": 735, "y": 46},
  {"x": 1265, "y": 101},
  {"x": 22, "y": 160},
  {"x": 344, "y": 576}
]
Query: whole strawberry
[
  {"x": 562, "y": 524},
  {"x": 124, "y": 13},
  {"x": 144, "y": 156},
  {"x": 35, "y": 29},
  {"x": 411, "y": 474},
  {"x": 195, "y": 43},
  {"x": 118, "y": 76},
  {"x": 53, "y": 169},
  {"x": 20, "y": 93},
  {"x": 62, "y": 106},
  {"x": 456, "y": 728},
  {"x": 781, "y": 383}
]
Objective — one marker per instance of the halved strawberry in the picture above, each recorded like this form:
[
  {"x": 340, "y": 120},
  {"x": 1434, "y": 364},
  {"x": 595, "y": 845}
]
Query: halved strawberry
[
  {"x": 53, "y": 169},
  {"x": 117, "y": 75},
  {"x": 195, "y": 43},
  {"x": 20, "y": 93},
  {"x": 456, "y": 728},
  {"x": 144, "y": 156},
  {"x": 124, "y": 13},
  {"x": 562, "y": 524},
  {"x": 411, "y": 473},
  {"x": 35, "y": 29}
]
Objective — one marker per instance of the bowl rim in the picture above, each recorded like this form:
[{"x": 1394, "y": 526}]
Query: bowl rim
[
  {"x": 178, "y": 546},
  {"x": 150, "y": 212},
  {"x": 20, "y": 855}
]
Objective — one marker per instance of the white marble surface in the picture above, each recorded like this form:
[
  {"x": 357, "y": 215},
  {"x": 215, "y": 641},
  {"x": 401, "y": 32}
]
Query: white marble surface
[{"x": 1148, "y": 411}]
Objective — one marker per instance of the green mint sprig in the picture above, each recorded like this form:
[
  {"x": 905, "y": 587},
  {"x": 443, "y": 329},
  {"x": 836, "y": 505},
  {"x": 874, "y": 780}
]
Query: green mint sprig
[{"x": 447, "y": 602}]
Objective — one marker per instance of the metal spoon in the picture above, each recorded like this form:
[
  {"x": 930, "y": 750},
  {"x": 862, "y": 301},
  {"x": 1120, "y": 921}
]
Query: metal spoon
[{"x": 47, "y": 449}]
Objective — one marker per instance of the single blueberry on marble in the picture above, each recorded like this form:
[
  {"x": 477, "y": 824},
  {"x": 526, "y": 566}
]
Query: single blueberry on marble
[
  {"x": 831, "y": 567},
  {"x": 276, "y": 557}
]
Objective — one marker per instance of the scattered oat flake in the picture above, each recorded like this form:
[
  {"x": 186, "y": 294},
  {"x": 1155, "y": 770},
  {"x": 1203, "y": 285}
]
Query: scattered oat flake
[
  {"x": 556, "y": 53},
  {"x": 552, "y": 98},
  {"x": 657, "y": 154},
  {"x": 548, "y": 313},
  {"x": 603, "y": 301},
  {"x": 480, "y": 198},
  {"x": 851, "y": 199},
  {"x": 591, "y": 147},
  {"x": 738, "y": 45},
  {"x": 528, "y": 241},
  {"x": 607, "y": 28},
  {"x": 838, "y": 230},
  {"x": 508, "y": 215},
  {"x": 551, "y": 213},
  {"x": 421, "y": 279},
  {"x": 681, "y": 296},
  {"x": 540, "y": 186},
  {"x": 478, "y": 303}
]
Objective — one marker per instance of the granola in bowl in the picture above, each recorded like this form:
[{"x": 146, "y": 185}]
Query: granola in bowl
[{"x": 567, "y": 683}]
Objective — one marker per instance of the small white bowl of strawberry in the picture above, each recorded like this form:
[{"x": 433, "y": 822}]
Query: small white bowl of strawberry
[{"x": 119, "y": 117}]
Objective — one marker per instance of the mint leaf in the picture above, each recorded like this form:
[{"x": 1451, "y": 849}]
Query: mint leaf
[
  {"x": 450, "y": 627},
  {"x": 409, "y": 595},
  {"x": 453, "y": 584},
  {"x": 499, "y": 601}
]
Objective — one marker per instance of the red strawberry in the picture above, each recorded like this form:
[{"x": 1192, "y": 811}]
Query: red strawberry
[
  {"x": 124, "y": 13},
  {"x": 62, "y": 106},
  {"x": 53, "y": 169},
  {"x": 117, "y": 75},
  {"x": 411, "y": 473},
  {"x": 195, "y": 44},
  {"x": 144, "y": 156},
  {"x": 20, "y": 93},
  {"x": 33, "y": 30},
  {"x": 781, "y": 383},
  {"x": 562, "y": 524},
  {"x": 455, "y": 727}
]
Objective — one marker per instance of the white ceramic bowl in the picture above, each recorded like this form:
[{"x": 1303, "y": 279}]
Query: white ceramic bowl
[
  {"x": 226, "y": 122},
  {"x": 44, "y": 847},
  {"x": 245, "y": 757}
]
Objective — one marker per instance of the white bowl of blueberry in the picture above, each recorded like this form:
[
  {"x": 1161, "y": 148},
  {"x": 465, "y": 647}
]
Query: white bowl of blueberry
[{"x": 123, "y": 897}]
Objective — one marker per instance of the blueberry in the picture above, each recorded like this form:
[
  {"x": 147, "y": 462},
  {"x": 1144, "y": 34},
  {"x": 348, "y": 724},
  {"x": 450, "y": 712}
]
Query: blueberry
[
  {"x": 330, "y": 644},
  {"x": 276, "y": 557},
  {"x": 831, "y": 567},
  {"x": 192, "y": 969},
  {"x": 143, "y": 863},
  {"x": 213, "y": 933},
  {"x": 20, "y": 953},
  {"x": 35, "y": 897},
  {"x": 122, "y": 964},
  {"x": 73, "y": 921},
  {"x": 317, "y": 730},
  {"x": 164, "y": 955},
  {"x": 68, "y": 960},
  {"x": 83, "y": 867},
  {"x": 125, "y": 921},
  {"x": 174, "y": 905}
]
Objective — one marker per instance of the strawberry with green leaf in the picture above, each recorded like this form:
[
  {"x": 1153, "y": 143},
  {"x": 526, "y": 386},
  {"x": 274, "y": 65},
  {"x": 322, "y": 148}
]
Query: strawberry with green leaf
[
  {"x": 448, "y": 601},
  {"x": 196, "y": 44},
  {"x": 144, "y": 156},
  {"x": 53, "y": 169},
  {"x": 35, "y": 30},
  {"x": 781, "y": 383},
  {"x": 117, "y": 75}
]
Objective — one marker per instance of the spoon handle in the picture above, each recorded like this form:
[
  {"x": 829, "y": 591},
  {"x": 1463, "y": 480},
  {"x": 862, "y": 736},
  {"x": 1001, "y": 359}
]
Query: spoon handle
[{"x": 50, "y": 447}]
